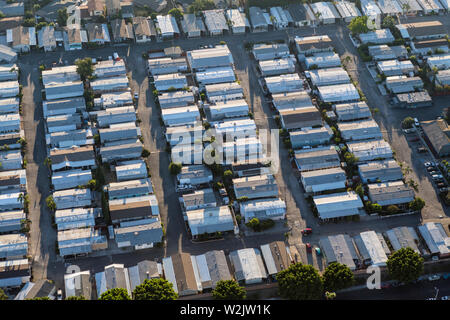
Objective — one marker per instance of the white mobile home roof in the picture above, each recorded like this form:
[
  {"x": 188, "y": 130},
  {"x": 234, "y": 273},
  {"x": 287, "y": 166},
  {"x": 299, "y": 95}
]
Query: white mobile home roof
[
  {"x": 210, "y": 220},
  {"x": 238, "y": 20},
  {"x": 338, "y": 93},
  {"x": 317, "y": 158},
  {"x": 370, "y": 8},
  {"x": 338, "y": 205},
  {"x": 381, "y": 36},
  {"x": 215, "y": 21},
  {"x": 352, "y": 111},
  {"x": 229, "y": 109},
  {"x": 360, "y": 130},
  {"x": 72, "y": 198},
  {"x": 117, "y": 83},
  {"x": 329, "y": 76},
  {"x": 111, "y": 116},
  {"x": 74, "y": 218},
  {"x": 291, "y": 100},
  {"x": 435, "y": 237},
  {"x": 439, "y": 61},
  {"x": 395, "y": 67},
  {"x": 64, "y": 90},
  {"x": 180, "y": 116},
  {"x": 130, "y": 170},
  {"x": 310, "y": 136},
  {"x": 219, "y": 56},
  {"x": 248, "y": 265},
  {"x": 175, "y": 99},
  {"x": 276, "y": 67},
  {"x": 324, "y": 179},
  {"x": 244, "y": 126},
  {"x": 9, "y": 89},
  {"x": 403, "y": 84},
  {"x": 168, "y": 25},
  {"x": 370, "y": 150},
  {"x": 284, "y": 83},
  {"x": 215, "y": 75},
  {"x": 326, "y": 9},
  {"x": 387, "y": 170},
  {"x": 389, "y": 7},
  {"x": 403, "y": 237},
  {"x": 347, "y": 10},
  {"x": 8, "y": 72},
  {"x": 110, "y": 68},
  {"x": 9, "y": 105},
  {"x": 166, "y": 65},
  {"x": 60, "y": 75},
  {"x": 374, "y": 247},
  {"x": 263, "y": 51},
  {"x": 167, "y": 81},
  {"x": 272, "y": 208},
  {"x": 195, "y": 174},
  {"x": 339, "y": 248},
  {"x": 323, "y": 60},
  {"x": 70, "y": 179},
  {"x": 11, "y": 221},
  {"x": 116, "y": 99},
  {"x": 224, "y": 91}
]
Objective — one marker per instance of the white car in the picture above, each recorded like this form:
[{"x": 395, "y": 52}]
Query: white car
[
  {"x": 445, "y": 298},
  {"x": 434, "y": 277}
]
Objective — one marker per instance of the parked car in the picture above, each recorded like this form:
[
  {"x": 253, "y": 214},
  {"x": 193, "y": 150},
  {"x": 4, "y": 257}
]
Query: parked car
[
  {"x": 318, "y": 252},
  {"x": 434, "y": 277},
  {"x": 414, "y": 139},
  {"x": 116, "y": 56},
  {"x": 431, "y": 169},
  {"x": 416, "y": 122},
  {"x": 433, "y": 173},
  {"x": 445, "y": 298},
  {"x": 59, "y": 295},
  {"x": 306, "y": 231},
  {"x": 308, "y": 247},
  {"x": 441, "y": 185},
  {"x": 421, "y": 149}
]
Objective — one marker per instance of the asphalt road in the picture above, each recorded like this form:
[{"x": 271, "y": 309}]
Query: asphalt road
[
  {"x": 43, "y": 236},
  {"x": 420, "y": 291}
]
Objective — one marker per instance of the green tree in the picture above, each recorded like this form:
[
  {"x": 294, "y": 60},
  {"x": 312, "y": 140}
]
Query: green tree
[
  {"x": 2, "y": 15},
  {"x": 407, "y": 123},
  {"x": 359, "y": 190},
  {"x": 155, "y": 289},
  {"x": 115, "y": 294},
  {"x": 405, "y": 265},
  {"x": 417, "y": 204},
  {"x": 175, "y": 168},
  {"x": 176, "y": 13},
  {"x": 39, "y": 298},
  {"x": 62, "y": 17},
  {"x": 330, "y": 295},
  {"x": 388, "y": 22},
  {"x": 3, "y": 296},
  {"x": 75, "y": 298},
  {"x": 84, "y": 68},
  {"x": 50, "y": 203},
  {"x": 300, "y": 282},
  {"x": 358, "y": 25},
  {"x": 200, "y": 5},
  {"x": 350, "y": 158},
  {"x": 228, "y": 290},
  {"x": 337, "y": 276},
  {"x": 392, "y": 209}
]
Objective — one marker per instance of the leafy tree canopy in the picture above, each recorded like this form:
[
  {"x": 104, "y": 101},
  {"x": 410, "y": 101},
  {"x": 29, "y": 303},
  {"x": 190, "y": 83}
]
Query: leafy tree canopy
[
  {"x": 405, "y": 265},
  {"x": 228, "y": 290},
  {"x": 359, "y": 25},
  {"x": 300, "y": 282},
  {"x": 155, "y": 289},
  {"x": 115, "y": 294},
  {"x": 337, "y": 276}
]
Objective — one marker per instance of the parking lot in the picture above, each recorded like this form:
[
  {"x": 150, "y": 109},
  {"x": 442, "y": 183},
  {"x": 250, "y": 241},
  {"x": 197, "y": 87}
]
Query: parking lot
[{"x": 299, "y": 215}]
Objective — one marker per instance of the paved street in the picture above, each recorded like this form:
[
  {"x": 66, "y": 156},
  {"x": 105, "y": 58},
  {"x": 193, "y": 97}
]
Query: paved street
[
  {"x": 43, "y": 236},
  {"x": 420, "y": 291}
]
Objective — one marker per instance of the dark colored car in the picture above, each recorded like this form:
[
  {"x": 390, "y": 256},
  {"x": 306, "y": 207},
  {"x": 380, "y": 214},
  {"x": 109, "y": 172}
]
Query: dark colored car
[{"x": 308, "y": 247}]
